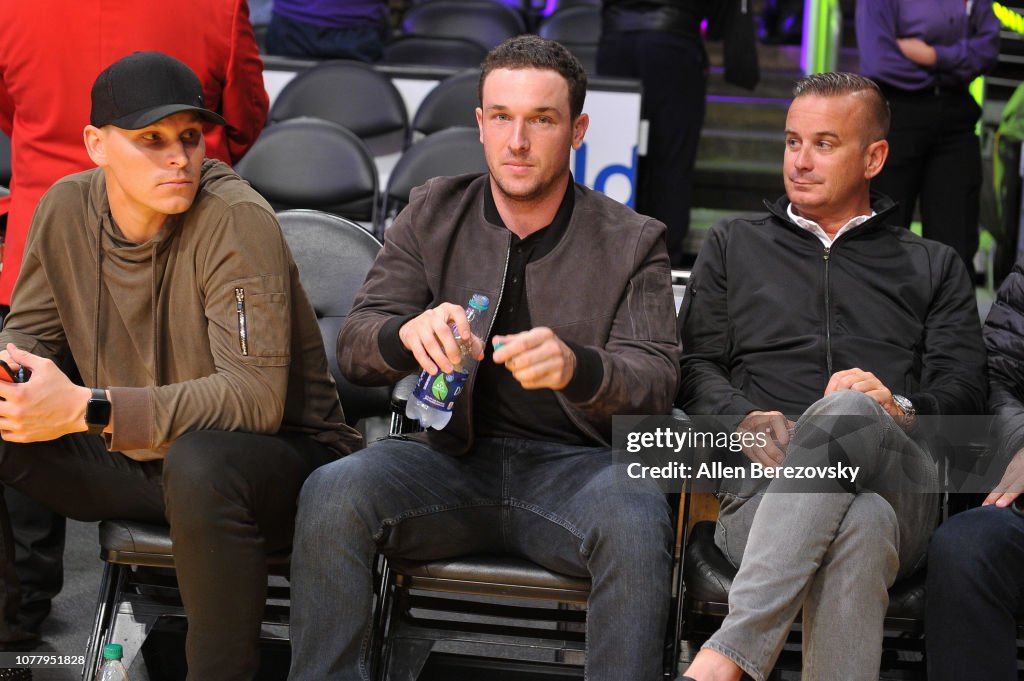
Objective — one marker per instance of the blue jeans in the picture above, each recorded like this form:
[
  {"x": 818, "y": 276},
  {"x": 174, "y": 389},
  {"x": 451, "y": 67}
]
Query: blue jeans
[
  {"x": 830, "y": 554},
  {"x": 975, "y": 587},
  {"x": 557, "y": 505}
]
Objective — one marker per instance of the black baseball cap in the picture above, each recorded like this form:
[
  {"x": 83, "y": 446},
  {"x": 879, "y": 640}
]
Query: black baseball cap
[{"x": 140, "y": 89}]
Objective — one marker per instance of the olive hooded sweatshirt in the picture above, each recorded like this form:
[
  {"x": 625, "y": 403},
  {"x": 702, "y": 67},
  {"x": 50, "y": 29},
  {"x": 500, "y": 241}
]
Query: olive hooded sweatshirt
[{"x": 203, "y": 327}]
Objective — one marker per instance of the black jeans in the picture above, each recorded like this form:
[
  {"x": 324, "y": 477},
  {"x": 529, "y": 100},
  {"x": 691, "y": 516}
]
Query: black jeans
[
  {"x": 935, "y": 160},
  {"x": 673, "y": 71},
  {"x": 295, "y": 39},
  {"x": 975, "y": 593},
  {"x": 229, "y": 498}
]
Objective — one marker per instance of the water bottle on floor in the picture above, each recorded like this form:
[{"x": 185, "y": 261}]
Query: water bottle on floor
[
  {"x": 434, "y": 396},
  {"x": 112, "y": 669}
]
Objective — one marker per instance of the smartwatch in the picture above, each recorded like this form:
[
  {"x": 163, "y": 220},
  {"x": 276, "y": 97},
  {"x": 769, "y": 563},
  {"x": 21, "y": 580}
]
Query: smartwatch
[{"x": 97, "y": 412}]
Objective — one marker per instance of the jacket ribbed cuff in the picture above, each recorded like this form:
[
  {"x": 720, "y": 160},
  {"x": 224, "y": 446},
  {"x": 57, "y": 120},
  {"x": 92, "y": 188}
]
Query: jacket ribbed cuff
[
  {"x": 391, "y": 347},
  {"x": 131, "y": 413},
  {"x": 589, "y": 374}
]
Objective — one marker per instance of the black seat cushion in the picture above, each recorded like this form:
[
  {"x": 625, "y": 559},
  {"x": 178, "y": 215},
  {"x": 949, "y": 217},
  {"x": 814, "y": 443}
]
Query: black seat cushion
[
  {"x": 133, "y": 543},
  {"x": 508, "y": 570},
  {"x": 707, "y": 573},
  {"x": 708, "y": 576}
]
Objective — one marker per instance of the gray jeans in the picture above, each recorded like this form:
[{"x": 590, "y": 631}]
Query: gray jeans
[{"x": 832, "y": 553}]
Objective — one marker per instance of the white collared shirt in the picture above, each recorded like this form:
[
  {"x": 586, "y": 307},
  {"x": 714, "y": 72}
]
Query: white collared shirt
[{"x": 815, "y": 229}]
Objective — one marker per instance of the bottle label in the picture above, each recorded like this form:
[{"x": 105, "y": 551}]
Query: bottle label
[{"x": 440, "y": 390}]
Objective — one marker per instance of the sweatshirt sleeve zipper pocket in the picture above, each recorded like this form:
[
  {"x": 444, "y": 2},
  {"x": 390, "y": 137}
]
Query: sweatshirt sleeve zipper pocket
[{"x": 243, "y": 341}]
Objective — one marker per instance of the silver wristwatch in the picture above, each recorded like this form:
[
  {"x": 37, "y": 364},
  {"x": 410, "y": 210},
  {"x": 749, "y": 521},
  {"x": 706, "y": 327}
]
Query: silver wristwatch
[{"x": 909, "y": 412}]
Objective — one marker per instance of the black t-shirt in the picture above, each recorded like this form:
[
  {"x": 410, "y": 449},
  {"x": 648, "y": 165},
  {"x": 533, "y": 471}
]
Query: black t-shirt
[{"x": 501, "y": 406}]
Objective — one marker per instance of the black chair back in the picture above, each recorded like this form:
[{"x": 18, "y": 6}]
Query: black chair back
[
  {"x": 487, "y": 23},
  {"x": 579, "y": 29},
  {"x": 353, "y": 95},
  {"x": 312, "y": 163},
  {"x": 433, "y": 51},
  {"x": 333, "y": 256},
  {"x": 452, "y": 103},
  {"x": 454, "y": 151}
]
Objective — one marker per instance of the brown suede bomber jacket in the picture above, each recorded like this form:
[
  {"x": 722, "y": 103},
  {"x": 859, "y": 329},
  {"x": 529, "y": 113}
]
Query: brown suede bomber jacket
[{"x": 605, "y": 286}]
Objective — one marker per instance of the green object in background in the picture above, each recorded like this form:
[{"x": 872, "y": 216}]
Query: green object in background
[
  {"x": 823, "y": 21},
  {"x": 1008, "y": 18},
  {"x": 977, "y": 90},
  {"x": 986, "y": 242}
]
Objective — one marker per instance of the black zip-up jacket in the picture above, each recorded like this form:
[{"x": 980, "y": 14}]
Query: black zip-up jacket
[
  {"x": 770, "y": 314},
  {"x": 1004, "y": 338}
]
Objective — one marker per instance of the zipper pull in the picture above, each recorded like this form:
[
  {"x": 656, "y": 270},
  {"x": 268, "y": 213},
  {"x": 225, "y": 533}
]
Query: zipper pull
[
  {"x": 243, "y": 335},
  {"x": 828, "y": 250}
]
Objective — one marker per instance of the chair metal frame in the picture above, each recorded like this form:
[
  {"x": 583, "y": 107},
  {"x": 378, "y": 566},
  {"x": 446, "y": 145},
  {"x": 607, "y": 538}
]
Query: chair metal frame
[
  {"x": 423, "y": 607},
  {"x": 138, "y": 589}
]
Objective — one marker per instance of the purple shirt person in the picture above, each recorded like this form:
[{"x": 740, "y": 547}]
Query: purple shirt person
[
  {"x": 918, "y": 44},
  {"x": 924, "y": 54},
  {"x": 329, "y": 29}
]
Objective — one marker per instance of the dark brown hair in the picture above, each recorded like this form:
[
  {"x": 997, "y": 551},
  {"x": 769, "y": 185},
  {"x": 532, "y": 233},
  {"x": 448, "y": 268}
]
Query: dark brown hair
[{"x": 534, "y": 52}]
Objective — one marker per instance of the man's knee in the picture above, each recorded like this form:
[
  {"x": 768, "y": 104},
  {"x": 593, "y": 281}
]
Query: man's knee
[
  {"x": 968, "y": 542},
  {"x": 353, "y": 489},
  {"x": 345, "y": 481},
  {"x": 634, "y": 520},
  {"x": 846, "y": 403},
  {"x": 195, "y": 459}
]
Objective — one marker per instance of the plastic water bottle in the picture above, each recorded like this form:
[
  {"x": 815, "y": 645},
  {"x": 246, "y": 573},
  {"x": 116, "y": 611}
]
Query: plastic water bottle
[
  {"x": 434, "y": 396},
  {"x": 112, "y": 669}
]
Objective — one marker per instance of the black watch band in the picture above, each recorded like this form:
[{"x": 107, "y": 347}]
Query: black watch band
[{"x": 97, "y": 411}]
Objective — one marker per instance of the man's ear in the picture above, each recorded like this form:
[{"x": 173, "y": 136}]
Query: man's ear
[
  {"x": 875, "y": 155},
  {"x": 579, "y": 129},
  {"x": 95, "y": 144}
]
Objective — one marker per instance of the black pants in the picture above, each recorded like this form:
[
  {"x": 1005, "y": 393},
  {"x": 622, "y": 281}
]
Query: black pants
[
  {"x": 935, "y": 157},
  {"x": 975, "y": 594},
  {"x": 229, "y": 498},
  {"x": 295, "y": 39},
  {"x": 39, "y": 549},
  {"x": 673, "y": 70}
]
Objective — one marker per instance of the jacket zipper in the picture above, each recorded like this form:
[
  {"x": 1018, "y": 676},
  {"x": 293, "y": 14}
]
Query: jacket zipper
[
  {"x": 501, "y": 290},
  {"x": 828, "y": 318},
  {"x": 243, "y": 334},
  {"x": 490, "y": 324}
]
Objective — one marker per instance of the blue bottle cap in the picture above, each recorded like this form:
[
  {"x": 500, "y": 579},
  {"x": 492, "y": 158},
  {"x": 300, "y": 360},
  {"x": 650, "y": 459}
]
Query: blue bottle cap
[{"x": 480, "y": 302}]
